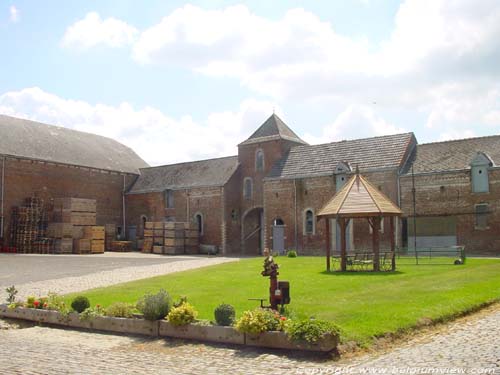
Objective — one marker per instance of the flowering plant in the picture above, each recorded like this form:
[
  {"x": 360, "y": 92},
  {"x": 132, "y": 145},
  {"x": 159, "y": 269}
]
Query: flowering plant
[{"x": 260, "y": 320}]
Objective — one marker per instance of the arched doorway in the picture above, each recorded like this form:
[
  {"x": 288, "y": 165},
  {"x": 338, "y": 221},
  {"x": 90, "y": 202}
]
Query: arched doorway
[{"x": 252, "y": 231}]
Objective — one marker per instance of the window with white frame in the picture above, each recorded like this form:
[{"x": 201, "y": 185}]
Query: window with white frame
[
  {"x": 481, "y": 216},
  {"x": 259, "y": 160},
  {"x": 247, "y": 188},
  {"x": 309, "y": 226}
]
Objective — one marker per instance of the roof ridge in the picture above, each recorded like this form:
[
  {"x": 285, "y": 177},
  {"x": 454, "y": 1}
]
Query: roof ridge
[
  {"x": 460, "y": 139},
  {"x": 367, "y": 184},
  {"x": 348, "y": 188},
  {"x": 358, "y": 139},
  {"x": 64, "y": 128},
  {"x": 190, "y": 162}
]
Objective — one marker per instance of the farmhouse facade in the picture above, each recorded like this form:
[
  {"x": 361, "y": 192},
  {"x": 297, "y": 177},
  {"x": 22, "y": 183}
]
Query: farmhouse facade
[{"x": 268, "y": 195}]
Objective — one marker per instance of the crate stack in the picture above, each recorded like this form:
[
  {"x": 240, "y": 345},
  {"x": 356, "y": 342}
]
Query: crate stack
[
  {"x": 173, "y": 238},
  {"x": 29, "y": 226},
  {"x": 109, "y": 235},
  {"x": 62, "y": 234},
  {"x": 192, "y": 239},
  {"x": 96, "y": 235},
  {"x": 147, "y": 246},
  {"x": 78, "y": 216}
]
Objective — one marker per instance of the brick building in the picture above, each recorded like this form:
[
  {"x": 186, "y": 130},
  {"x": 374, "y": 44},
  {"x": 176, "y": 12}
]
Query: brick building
[
  {"x": 51, "y": 162},
  {"x": 267, "y": 195}
]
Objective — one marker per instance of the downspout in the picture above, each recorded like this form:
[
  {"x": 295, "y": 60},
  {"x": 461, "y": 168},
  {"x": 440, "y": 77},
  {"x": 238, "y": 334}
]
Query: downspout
[
  {"x": 124, "y": 231},
  {"x": 187, "y": 205},
  {"x": 2, "y": 197},
  {"x": 295, "y": 211}
]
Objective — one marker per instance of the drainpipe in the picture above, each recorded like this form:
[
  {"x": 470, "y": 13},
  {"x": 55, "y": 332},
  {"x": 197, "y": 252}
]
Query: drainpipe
[
  {"x": 187, "y": 205},
  {"x": 2, "y": 198},
  {"x": 124, "y": 230},
  {"x": 295, "y": 211}
]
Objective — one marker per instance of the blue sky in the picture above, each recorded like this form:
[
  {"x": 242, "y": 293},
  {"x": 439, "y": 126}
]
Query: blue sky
[{"x": 182, "y": 81}]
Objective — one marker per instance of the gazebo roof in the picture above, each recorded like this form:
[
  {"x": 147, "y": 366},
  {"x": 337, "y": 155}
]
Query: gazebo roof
[{"x": 359, "y": 198}]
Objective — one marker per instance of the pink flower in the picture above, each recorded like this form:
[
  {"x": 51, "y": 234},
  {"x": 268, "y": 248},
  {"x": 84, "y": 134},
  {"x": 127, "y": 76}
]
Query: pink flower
[{"x": 36, "y": 304}]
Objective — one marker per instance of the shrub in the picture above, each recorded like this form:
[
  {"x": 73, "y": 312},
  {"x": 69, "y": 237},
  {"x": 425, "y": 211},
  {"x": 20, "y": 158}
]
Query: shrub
[
  {"x": 91, "y": 312},
  {"x": 155, "y": 306},
  {"x": 258, "y": 320},
  {"x": 80, "y": 303},
  {"x": 182, "y": 315},
  {"x": 310, "y": 330},
  {"x": 292, "y": 254},
  {"x": 120, "y": 310},
  {"x": 224, "y": 315},
  {"x": 11, "y": 294},
  {"x": 30, "y": 301},
  {"x": 56, "y": 302}
]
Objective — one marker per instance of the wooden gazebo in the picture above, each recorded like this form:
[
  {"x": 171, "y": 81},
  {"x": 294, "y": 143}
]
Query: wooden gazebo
[{"x": 358, "y": 198}]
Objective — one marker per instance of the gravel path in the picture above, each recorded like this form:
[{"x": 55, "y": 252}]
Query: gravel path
[{"x": 109, "y": 277}]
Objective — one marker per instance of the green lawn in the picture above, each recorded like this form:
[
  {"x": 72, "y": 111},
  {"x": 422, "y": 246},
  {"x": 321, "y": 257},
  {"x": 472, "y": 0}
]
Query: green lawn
[{"x": 362, "y": 304}]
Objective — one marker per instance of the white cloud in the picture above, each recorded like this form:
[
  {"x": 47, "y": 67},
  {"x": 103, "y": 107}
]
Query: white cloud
[
  {"x": 93, "y": 30},
  {"x": 155, "y": 136},
  {"x": 355, "y": 122},
  {"x": 14, "y": 14}
]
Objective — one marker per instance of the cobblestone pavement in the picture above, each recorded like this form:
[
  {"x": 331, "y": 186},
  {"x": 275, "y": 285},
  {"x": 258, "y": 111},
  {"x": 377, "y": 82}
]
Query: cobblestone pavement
[
  {"x": 40, "y": 274},
  {"x": 467, "y": 346}
]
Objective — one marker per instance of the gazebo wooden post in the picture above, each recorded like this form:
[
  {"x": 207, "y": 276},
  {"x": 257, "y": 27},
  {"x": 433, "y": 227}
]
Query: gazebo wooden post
[
  {"x": 328, "y": 244},
  {"x": 393, "y": 243},
  {"x": 343, "y": 248},
  {"x": 376, "y": 243}
]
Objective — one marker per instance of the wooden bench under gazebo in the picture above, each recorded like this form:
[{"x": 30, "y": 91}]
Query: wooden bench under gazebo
[{"x": 358, "y": 198}]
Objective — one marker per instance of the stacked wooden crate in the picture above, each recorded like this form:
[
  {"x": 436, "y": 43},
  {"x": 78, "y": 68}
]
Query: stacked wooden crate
[
  {"x": 192, "y": 239},
  {"x": 29, "y": 226},
  {"x": 96, "y": 235},
  {"x": 173, "y": 238},
  {"x": 80, "y": 214},
  {"x": 109, "y": 235},
  {"x": 147, "y": 246},
  {"x": 62, "y": 233}
]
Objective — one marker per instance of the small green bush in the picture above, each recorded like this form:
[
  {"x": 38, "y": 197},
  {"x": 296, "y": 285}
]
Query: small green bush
[
  {"x": 182, "y": 315},
  {"x": 80, "y": 303},
  {"x": 11, "y": 294},
  {"x": 258, "y": 320},
  {"x": 91, "y": 312},
  {"x": 155, "y": 306},
  {"x": 119, "y": 310},
  {"x": 224, "y": 315},
  {"x": 292, "y": 254},
  {"x": 310, "y": 330},
  {"x": 30, "y": 301}
]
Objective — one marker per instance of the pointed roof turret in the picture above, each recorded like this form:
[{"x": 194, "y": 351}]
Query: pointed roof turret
[{"x": 273, "y": 128}]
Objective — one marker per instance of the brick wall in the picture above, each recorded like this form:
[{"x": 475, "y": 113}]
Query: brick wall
[
  {"x": 25, "y": 178},
  {"x": 450, "y": 194}
]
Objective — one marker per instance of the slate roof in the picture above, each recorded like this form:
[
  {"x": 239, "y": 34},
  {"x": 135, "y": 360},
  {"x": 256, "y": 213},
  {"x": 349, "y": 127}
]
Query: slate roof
[
  {"x": 203, "y": 173},
  {"x": 369, "y": 153},
  {"x": 453, "y": 155},
  {"x": 34, "y": 140},
  {"x": 359, "y": 198},
  {"x": 273, "y": 128}
]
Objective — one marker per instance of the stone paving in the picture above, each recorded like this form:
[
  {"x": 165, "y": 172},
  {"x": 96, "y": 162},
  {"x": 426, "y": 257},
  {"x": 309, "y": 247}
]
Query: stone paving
[{"x": 468, "y": 346}]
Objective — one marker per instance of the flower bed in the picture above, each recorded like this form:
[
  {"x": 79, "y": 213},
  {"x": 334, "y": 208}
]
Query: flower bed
[{"x": 162, "y": 328}]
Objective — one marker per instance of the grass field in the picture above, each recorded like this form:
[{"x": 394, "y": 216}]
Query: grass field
[{"x": 364, "y": 305}]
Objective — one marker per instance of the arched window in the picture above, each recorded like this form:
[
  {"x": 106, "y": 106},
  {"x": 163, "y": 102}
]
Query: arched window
[
  {"x": 259, "y": 160},
  {"x": 309, "y": 221},
  {"x": 278, "y": 221},
  {"x": 247, "y": 188},
  {"x": 144, "y": 219},
  {"x": 198, "y": 218}
]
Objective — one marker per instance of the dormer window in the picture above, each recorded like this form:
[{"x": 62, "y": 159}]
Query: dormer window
[
  {"x": 341, "y": 171},
  {"x": 259, "y": 161},
  {"x": 479, "y": 173}
]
